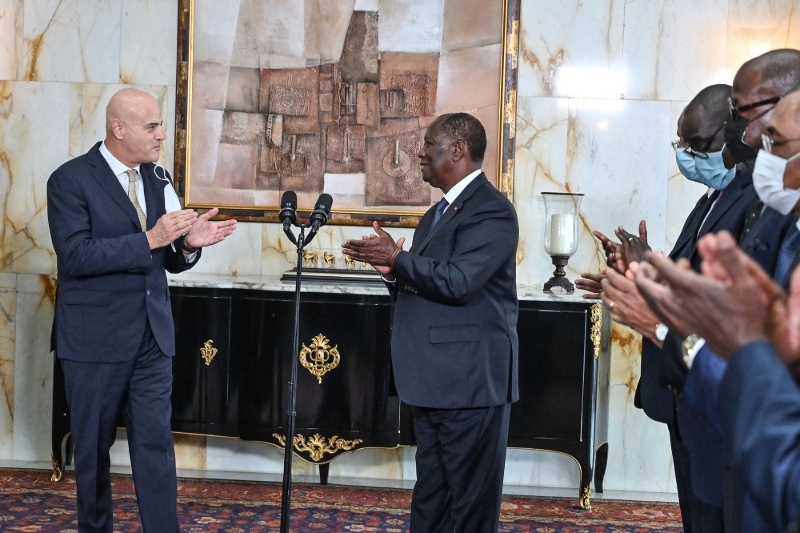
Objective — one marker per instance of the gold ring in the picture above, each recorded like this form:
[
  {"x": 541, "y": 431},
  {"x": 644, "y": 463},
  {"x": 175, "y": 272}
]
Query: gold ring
[{"x": 611, "y": 305}]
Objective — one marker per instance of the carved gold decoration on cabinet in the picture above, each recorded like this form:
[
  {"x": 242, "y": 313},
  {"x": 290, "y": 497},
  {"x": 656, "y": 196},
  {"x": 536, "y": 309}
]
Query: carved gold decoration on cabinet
[
  {"x": 319, "y": 358},
  {"x": 208, "y": 352},
  {"x": 596, "y": 316},
  {"x": 317, "y": 446}
]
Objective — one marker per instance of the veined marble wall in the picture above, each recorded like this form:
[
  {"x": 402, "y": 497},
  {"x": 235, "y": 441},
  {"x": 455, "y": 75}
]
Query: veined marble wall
[{"x": 601, "y": 85}]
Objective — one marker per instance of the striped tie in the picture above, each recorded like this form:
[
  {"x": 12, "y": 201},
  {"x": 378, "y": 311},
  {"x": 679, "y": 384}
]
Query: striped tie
[{"x": 135, "y": 201}]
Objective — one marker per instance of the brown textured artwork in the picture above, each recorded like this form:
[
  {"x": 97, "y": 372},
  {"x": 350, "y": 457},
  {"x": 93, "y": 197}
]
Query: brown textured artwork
[{"x": 365, "y": 113}]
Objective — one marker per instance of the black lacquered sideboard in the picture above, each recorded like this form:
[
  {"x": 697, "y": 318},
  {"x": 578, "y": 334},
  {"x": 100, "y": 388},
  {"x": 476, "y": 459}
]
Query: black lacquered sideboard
[{"x": 232, "y": 368}]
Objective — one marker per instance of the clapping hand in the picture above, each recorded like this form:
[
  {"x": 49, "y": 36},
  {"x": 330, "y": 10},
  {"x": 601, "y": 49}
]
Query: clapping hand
[
  {"x": 626, "y": 305},
  {"x": 205, "y": 232},
  {"x": 379, "y": 250},
  {"x": 591, "y": 284}
]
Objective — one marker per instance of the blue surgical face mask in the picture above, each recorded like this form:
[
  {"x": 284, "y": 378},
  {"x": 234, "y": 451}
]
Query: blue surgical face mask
[{"x": 711, "y": 171}]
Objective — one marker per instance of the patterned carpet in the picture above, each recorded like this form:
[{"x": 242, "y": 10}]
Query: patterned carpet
[{"x": 30, "y": 502}]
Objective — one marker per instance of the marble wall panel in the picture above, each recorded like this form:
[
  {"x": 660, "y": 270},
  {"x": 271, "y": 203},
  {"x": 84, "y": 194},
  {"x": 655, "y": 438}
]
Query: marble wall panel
[
  {"x": 33, "y": 143},
  {"x": 8, "y": 333},
  {"x": 571, "y": 48},
  {"x": 72, "y": 41},
  {"x": 190, "y": 451},
  {"x": 410, "y": 25},
  {"x": 215, "y": 24},
  {"x": 604, "y": 146},
  {"x": 329, "y": 21},
  {"x": 366, "y": 5},
  {"x": 268, "y": 28},
  {"x": 148, "y": 60},
  {"x": 243, "y": 456},
  {"x": 33, "y": 380},
  {"x": 541, "y": 166},
  {"x": 471, "y": 23},
  {"x": 756, "y": 26},
  {"x": 11, "y": 39},
  {"x": 370, "y": 463},
  {"x": 87, "y": 116},
  {"x": 669, "y": 55}
]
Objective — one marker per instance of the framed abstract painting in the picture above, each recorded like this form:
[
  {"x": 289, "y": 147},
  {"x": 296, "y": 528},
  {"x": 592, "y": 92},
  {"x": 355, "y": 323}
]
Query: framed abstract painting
[{"x": 334, "y": 96}]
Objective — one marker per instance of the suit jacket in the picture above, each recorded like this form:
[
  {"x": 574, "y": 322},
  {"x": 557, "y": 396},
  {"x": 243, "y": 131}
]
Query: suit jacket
[
  {"x": 110, "y": 284},
  {"x": 454, "y": 333},
  {"x": 760, "y": 416},
  {"x": 728, "y": 213}
]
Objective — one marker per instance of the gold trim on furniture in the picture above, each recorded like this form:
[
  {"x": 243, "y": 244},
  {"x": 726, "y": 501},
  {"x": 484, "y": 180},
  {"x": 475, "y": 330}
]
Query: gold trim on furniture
[
  {"x": 319, "y": 358},
  {"x": 586, "y": 500},
  {"x": 57, "y": 471},
  {"x": 317, "y": 446},
  {"x": 208, "y": 352},
  {"x": 597, "y": 323}
]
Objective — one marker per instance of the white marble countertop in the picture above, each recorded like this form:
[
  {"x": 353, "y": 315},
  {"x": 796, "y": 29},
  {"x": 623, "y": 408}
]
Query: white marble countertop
[{"x": 273, "y": 283}]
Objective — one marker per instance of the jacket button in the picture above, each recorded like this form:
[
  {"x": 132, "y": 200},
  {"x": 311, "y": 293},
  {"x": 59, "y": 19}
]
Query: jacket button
[{"x": 148, "y": 292}]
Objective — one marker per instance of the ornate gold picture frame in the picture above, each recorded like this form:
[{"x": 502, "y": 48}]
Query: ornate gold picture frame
[{"x": 335, "y": 96}]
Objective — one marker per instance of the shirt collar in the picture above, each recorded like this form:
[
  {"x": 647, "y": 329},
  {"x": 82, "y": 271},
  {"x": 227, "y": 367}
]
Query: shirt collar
[
  {"x": 117, "y": 166},
  {"x": 459, "y": 187}
]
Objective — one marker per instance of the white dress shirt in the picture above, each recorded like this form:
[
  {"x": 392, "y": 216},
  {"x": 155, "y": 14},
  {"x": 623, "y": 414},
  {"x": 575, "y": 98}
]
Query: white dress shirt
[{"x": 459, "y": 187}]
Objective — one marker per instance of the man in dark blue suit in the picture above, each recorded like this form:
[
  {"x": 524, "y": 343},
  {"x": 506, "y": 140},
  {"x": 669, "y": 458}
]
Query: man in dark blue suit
[
  {"x": 454, "y": 338},
  {"x": 113, "y": 328}
]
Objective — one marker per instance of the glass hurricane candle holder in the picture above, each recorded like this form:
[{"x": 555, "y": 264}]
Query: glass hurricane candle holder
[{"x": 561, "y": 234}]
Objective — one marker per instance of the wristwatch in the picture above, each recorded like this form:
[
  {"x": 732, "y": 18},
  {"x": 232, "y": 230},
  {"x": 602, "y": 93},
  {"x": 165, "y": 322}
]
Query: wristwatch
[
  {"x": 661, "y": 331},
  {"x": 690, "y": 346}
]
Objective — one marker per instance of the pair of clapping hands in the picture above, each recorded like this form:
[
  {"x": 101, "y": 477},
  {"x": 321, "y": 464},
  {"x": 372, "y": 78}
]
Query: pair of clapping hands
[{"x": 616, "y": 285}]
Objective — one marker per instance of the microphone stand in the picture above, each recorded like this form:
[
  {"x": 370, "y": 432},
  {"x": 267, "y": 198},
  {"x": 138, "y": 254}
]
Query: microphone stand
[{"x": 286, "y": 492}]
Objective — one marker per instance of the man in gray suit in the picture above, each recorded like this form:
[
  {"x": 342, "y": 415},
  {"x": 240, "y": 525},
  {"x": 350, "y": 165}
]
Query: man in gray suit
[{"x": 454, "y": 337}]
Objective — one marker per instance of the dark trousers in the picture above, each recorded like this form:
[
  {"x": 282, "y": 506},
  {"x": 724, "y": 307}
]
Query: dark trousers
[
  {"x": 141, "y": 388},
  {"x": 697, "y": 516},
  {"x": 461, "y": 456}
]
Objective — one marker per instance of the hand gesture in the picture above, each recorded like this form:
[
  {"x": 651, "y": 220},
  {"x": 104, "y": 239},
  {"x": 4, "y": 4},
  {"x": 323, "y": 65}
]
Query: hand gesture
[
  {"x": 634, "y": 248},
  {"x": 612, "y": 250},
  {"x": 205, "y": 232},
  {"x": 626, "y": 305},
  {"x": 660, "y": 298},
  {"x": 591, "y": 284},
  {"x": 169, "y": 227},
  {"x": 378, "y": 250}
]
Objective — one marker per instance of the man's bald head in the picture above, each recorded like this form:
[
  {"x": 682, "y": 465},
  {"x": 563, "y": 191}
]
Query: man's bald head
[
  {"x": 134, "y": 127},
  {"x": 777, "y": 70},
  {"x": 704, "y": 116}
]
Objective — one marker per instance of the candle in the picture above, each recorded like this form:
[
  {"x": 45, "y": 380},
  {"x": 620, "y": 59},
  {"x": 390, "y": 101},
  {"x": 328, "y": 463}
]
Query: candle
[{"x": 562, "y": 231}]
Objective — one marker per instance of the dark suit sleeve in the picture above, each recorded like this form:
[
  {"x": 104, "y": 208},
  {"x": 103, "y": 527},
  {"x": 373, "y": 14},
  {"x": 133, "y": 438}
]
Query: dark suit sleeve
[
  {"x": 483, "y": 243},
  {"x": 175, "y": 261},
  {"x": 80, "y": 255},
  {"x": 702, "y": 387},
  {"x": 759, "y": 405}
]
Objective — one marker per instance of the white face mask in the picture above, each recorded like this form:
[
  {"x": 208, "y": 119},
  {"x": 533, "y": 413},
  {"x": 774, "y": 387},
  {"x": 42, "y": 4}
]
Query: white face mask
[{"x": 768, "y": 182}]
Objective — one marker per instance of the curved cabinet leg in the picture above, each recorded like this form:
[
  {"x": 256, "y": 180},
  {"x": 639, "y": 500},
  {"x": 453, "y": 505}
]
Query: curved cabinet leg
[
  {"x": 324, "y": 469},
  {"x": 601, "y": 460},
  {"x": 586, "y": 483},
  {"x": 586, "y": 498},
  {"x": 61, "y": 453}
]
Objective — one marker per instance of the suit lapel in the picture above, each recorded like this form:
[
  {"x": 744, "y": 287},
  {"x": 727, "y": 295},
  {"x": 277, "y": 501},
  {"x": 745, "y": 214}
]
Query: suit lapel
[
  {"x": 422, "y": 229},
  {"x": 105, "y": 177},
  {"x": 452, "y": 211},
  {"x": 151, "y": 194},
  {"x": 730, "y": 196},
  {"x": 691, "y": 222}
]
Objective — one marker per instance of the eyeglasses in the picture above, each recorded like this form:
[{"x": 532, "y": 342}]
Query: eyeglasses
[
  {"x": 736, "y": 111},
  {"x": 702, "y": 153},
  {"x": 768, "y": 143}
]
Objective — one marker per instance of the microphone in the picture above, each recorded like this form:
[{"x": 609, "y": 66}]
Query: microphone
[
  {"x": 288, "y": 213},
  {"x": 319, "y": 217}
]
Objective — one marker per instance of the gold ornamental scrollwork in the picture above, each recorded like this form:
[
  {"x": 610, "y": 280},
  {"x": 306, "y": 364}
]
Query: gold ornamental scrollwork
[
  {"x": 317, "y": 446},
  {"x": 586, "y": 501},
  {"x": 319, "y": 358},
  {"x": 208, "y": 352},
  {"x": 596, "y": 316}
]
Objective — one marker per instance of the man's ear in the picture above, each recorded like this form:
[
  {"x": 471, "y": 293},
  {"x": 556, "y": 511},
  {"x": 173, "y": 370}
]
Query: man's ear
[
  {"x": 118, "y": 129},
  {"x": 458, "y": 150}
]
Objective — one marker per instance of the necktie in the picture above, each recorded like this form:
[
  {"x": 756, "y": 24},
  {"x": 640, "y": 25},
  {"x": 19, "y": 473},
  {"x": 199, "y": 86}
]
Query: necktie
[
  {"x": 135, "y": 201},
  {"x": 440, "y": 207},
  {"x": 787, "y": 253}
]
